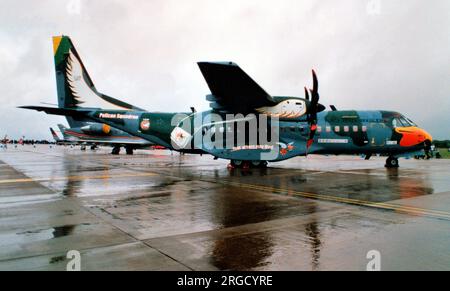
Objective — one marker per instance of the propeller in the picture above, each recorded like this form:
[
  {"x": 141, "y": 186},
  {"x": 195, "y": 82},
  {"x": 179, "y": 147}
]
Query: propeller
[{"x": 314, "y": 108}]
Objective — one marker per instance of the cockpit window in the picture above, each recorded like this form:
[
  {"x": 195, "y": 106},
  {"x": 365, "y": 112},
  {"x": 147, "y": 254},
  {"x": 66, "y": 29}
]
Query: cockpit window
[
  {"x": 410, "y": 122},
  {"x": 402, "y": 121}
]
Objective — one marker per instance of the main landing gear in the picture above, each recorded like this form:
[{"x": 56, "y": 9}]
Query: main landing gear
[
  {"x": 129, "y": 150},
  {"x": 115, "y": 151},
  {"x": 392, "y": 162},
  {"x": 238, "y": 164}
]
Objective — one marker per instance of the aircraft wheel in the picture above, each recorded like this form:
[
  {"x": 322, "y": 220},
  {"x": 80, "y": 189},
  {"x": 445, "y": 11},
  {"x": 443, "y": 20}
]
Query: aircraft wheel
[
  {"x": 237, "y": 163},
  {"x": 83, "y": 148},
  {"x": 93, "y": 147},
  {"x": 259, "y": 164},
  {"x": 427, "y": 149},
  {"x": 129, "y": 150},
  {"x": 392, "y": 162},
  {"x": 115, "y": 151}
]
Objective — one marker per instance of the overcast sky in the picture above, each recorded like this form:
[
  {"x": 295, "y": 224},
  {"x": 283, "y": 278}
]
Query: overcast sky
[{"x": 369, "y": 54}]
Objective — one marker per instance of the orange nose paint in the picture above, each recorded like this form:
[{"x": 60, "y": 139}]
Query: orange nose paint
[{"x": 412, "y": 136}]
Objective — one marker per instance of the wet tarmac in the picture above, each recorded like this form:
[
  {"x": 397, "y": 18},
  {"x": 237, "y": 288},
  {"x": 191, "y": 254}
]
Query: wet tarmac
[{"x": 157, "y": 211}]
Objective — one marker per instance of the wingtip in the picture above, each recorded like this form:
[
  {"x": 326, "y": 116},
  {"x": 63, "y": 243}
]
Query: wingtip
[{"x": 217, "y": 63}]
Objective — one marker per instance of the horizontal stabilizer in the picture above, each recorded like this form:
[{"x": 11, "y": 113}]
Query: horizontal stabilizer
[{"x": 56, "y": 111}]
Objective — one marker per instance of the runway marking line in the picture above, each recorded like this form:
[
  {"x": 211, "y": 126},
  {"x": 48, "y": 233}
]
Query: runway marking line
[
  {"x": 379, "y": 205},
  {"x": 76, "y": 178}
]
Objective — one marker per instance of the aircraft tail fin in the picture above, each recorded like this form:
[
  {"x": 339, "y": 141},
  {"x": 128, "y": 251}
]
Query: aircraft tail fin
[
  {"x": 55, "y": 136},
  {"x": 62, "y": 128},
  {"x": 74, "y": 85}
]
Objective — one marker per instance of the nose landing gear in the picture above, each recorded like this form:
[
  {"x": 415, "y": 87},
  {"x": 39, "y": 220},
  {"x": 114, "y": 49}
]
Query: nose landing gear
[
  {"x": 392, "y": 162},
  {"x": 427, "y": 149}
]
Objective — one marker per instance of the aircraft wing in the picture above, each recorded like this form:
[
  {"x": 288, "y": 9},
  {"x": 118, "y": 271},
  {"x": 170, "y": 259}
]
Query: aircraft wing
[{"x": 232, "y": 89}]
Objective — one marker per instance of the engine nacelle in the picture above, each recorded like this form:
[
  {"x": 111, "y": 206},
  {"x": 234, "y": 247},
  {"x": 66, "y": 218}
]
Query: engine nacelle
[
  {"x": 286, "y": 109},
  {"x": 100, "y": 129}
]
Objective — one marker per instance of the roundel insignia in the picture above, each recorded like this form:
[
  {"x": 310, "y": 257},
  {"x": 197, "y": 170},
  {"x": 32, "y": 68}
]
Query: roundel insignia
[{"x": 145, "y": 124}]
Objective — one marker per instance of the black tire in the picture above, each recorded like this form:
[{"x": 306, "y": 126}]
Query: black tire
[
  {"x": 115, "y": 151},
  {"x": 237, "y": 163},
  {"x": 392, "y": 162},
  {"x": 129, "y": 151},
  {"x": 256, "y": 164}
]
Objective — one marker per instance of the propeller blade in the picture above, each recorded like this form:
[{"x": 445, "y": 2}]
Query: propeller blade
[
  {"x": 306, "y": 94},
  {"x": 315, "y": 82},
  {"x": 313, "y": 109}
]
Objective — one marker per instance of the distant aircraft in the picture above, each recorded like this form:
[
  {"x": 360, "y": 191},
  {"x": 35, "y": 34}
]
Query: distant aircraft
[
  {"x": 5, "y": 140},
  {"x": 56, "y": 137},
  {"x": 303, "y": 125},
  {"x": 96, "y": 134}
]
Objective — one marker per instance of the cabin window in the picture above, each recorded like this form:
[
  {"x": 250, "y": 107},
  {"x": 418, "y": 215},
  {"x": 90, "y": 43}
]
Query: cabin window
[
  {"x": 346, "y": 129},
  {"x": 337, "y": 129},
  {"x": 364, "y": 128},
  {"x": 328, "y": 129},
  {"x": 355, "y": 128},
  {"x": 319, "y": 129}
]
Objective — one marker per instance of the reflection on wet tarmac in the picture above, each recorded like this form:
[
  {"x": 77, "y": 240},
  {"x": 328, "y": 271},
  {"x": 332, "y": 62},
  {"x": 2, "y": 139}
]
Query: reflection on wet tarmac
[
  {"x": 65, "y": 230},
  {"x": 240, "y": 253}
]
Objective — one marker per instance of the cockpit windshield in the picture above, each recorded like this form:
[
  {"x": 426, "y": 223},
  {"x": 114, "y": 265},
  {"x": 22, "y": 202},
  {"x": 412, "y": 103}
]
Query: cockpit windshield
[{"x": 402, "y": 121}]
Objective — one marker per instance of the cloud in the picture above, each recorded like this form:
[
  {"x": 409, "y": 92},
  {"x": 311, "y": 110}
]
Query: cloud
[{"x": 391, "y": 55}]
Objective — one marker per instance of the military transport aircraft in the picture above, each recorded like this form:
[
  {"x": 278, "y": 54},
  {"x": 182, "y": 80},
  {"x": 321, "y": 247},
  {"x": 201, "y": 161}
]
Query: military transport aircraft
[{"x": 298, "y": 126}]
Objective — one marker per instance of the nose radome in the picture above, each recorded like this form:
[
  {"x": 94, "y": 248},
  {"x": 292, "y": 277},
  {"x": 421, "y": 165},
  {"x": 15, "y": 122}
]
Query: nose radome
[
  {"x": 412, "y": 136},
  {"x": 424, "y": 135}
]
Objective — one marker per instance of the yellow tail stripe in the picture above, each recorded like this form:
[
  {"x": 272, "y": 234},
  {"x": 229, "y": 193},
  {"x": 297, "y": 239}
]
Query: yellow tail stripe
[{"x": 56, "y": 43}]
